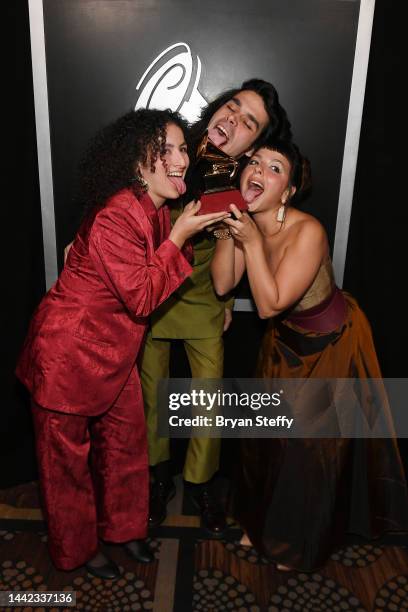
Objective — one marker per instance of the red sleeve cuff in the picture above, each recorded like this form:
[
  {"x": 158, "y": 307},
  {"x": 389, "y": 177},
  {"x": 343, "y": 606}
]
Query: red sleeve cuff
[{"x": 177, "y": 263}]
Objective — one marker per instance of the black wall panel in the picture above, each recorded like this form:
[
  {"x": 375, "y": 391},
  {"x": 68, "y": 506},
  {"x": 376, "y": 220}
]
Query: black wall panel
[{"x": 98, "y": 50}]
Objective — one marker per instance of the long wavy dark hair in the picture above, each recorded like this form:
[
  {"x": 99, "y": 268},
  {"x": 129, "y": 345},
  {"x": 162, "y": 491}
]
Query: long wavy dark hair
[{"x": 110, "y": 160}]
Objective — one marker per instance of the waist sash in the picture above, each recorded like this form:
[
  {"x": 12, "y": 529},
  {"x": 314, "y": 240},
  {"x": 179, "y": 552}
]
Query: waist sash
[{"x": 326, "y": 317}]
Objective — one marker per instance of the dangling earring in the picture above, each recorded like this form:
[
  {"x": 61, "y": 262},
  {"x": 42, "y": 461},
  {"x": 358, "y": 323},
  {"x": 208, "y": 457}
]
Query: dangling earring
[
  {"x": 144, "y": 185},
  {"x": 280, "y": 217}
]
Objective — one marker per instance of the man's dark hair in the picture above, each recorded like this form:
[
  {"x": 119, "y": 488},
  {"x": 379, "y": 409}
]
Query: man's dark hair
[
  {"x": 112, "y": 155},
  {"x": 278, "y": 126}
]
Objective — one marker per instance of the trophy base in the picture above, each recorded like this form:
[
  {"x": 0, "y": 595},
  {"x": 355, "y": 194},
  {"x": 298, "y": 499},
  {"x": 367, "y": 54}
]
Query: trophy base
[{"x": 220, "y": 201}]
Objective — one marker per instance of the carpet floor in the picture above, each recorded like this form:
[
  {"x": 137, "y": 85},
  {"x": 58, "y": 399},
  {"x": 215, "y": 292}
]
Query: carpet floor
[{"x": 192, "y": 573}]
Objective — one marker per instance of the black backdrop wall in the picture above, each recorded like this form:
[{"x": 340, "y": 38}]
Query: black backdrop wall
[
  {"x": 375, "y": 260},
  {"x": 97, "y": 52},
  {"x": 23, "y": 270}
]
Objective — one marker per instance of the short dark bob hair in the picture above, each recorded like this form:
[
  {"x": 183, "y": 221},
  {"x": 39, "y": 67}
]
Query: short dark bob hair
[{"x": 300, "y": 168}]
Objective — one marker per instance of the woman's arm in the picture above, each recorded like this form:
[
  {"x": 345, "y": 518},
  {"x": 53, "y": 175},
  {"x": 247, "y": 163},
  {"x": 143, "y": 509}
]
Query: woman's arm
[
  {"x": 118, "y": 249},
  {"x": 189, "y": 223},
  {"x": 275, "y": 292},
  {"x": 227, "y": 265}
]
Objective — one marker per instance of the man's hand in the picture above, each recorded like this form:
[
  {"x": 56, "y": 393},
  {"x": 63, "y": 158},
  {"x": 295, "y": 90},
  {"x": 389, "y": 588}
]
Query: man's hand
[
  {"x": 227, "y": 318},
  {"x": 66, "y": 251}
]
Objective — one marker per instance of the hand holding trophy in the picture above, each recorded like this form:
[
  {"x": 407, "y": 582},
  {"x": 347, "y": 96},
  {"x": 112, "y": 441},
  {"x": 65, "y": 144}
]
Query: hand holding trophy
[{"x": 214, "y": 176}]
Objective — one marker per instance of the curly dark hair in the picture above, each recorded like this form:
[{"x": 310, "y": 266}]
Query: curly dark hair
[
  {"x": 109, "y": 162},
  {"x": 278, "y": 126}
]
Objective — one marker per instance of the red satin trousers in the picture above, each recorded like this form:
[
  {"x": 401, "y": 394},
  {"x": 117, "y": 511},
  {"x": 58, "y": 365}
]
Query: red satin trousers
[{"x": 93, "y": 476}]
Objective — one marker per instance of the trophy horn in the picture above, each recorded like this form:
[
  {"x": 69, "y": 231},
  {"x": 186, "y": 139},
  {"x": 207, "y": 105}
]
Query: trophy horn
[{"x": 218, "y": 161}]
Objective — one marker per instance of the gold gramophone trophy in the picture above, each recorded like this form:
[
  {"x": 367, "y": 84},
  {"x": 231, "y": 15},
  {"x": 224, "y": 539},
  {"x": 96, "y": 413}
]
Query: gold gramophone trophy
[{"x": 214, "y": 178}]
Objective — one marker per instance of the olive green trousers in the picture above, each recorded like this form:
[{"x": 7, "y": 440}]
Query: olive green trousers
[{"x": 206, "y": 357}]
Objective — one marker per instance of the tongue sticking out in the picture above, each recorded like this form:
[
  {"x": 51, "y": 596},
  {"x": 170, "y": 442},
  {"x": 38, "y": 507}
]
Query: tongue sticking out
[
  {"x": 217, "y": 137},
  {"x": 178, "y": 183},
  {"x": 251, "y": 193}
]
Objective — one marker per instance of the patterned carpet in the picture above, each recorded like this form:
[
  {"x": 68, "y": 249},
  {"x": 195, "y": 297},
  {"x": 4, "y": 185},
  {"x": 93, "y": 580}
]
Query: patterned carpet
[{"x": 194, "y": 574}]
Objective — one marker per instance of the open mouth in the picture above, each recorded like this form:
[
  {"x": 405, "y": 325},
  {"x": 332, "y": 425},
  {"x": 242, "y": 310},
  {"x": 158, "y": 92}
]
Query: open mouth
[
  {"x": 218, "y": 135},
  {"x": 253, "y": 191},
  {"x": 176, "y": 178}
]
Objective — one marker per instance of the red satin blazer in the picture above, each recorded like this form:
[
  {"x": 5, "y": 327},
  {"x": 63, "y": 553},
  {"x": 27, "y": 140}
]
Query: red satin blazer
[{"x": 87, "y": 331}]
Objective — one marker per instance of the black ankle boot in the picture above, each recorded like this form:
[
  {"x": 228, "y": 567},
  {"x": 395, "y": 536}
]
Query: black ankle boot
[
  {"x": 213, "y": 518},
  {"x": 161, "y": 492}
]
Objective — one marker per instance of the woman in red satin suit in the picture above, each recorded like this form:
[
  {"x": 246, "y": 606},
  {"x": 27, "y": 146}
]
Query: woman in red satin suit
[{"x": 78, "y": 360}]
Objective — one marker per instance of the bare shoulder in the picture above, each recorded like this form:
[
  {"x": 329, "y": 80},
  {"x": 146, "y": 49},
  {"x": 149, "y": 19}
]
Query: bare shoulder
[
  {"x": 308, "y": 235},
  {"x": 307, "y": 227}
]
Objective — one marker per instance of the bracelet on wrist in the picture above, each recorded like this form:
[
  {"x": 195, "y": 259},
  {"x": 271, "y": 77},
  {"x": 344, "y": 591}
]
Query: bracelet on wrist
[{"x": 222, "y": 234}]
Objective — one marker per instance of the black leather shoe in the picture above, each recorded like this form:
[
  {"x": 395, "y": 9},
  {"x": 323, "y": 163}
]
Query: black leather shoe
[
  {"x": 213, "y": 518},
  {"x": 107, "y": 571},
  {"x": 140, "y": 551},
  {"x": 161, "y": 493}
]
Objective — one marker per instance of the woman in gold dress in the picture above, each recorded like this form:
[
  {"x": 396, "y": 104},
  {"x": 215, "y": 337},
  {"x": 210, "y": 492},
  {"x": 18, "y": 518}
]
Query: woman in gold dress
[{"x": 296, "y": 498}]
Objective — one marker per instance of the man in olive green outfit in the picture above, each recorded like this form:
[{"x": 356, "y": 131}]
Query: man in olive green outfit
[{"x": 237, "y": 122}]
